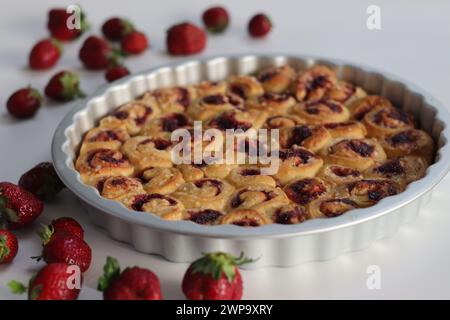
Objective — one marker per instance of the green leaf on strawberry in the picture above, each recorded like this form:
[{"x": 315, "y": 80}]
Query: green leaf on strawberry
[
  {"x": 17, "y": 287},
  {"x": 111, "y": 270}
]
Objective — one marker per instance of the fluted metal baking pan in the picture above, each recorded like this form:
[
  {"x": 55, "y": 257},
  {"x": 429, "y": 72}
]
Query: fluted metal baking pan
[{"x": 276, "y": 245}]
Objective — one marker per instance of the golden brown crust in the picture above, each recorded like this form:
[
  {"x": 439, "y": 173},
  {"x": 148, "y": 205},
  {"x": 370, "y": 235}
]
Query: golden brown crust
[
  {"x": 321, "y": 111},
  {"x": 162, "y": 180},
  {"x": 304, "y": 191},
  {"x": 361, "y": 107},
  {"x": 312, "y": 84},
  {"x": 276, "y": 79},
  {"x": 147, "y": 152},
  {"x": 330, "y": 207},
  {"x": 104, "y": 138},
  {"x": 367, "y": 192},
  {"x": 164, "y": 125},
  {"x": 161, "y": 205},
  {"x": 409, "y": 142},
  {"x": 272, "y": 103},
  {"x": 339, "y": 174},
  {"x": 245, "y": 86},
  {"x": 359, "y": 154},
  {"x": 283, "y": 121},
  {"x": 211, "y": 106},
  {"x": 311, "y": 137},
  {"x": 171, "y": 99},
  {"x": 119, "y": 187},
  {"x": 348, "y": 129},
  {"x": 245, "y": 218},
  {"x": 249, "y": 175},
  {"x": 207, "y": 88},
  {"x": 345, "y": 93},
  {"x": 383, "y": 121}
]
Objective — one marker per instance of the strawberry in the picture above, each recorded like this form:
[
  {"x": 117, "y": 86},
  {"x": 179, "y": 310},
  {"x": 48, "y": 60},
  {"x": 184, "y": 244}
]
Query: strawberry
[
  {"x": 45, "y": 54},
  {"x": 259, "y": 25},
  {"x": 24, "y": 103},
  {"x": 185, "y": 38},
  {"x": 96, "y": 53},
  {"x": 53, "y": 282},
  {"x": 216, "y": 19},
  {"x": 18, "y": 207},
  {"x": 116, "y": 72},
  {"x": 58, "y": 26},
  {"x": 134, "y": 42},
  {"x": 65, "y": 224},
  {"x": 115, "y": 28},
  {"x": 8, "y": 246},
  {"x": 132, "y": 284},
  {"x": 64, "y": 86},
  {"x": 42, "y": 181},
  {"x": 215, "y": 276},
  {"x": 64, "y": 247}
]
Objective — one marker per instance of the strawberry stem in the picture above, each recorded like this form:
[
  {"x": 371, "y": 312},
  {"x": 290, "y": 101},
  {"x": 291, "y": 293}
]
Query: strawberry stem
[
  {"x": 17, "y": 287},
  {"x": 111, "y": 270}
]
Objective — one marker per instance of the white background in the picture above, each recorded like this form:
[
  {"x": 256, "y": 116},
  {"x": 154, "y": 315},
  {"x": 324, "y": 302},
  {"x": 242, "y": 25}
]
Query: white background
[{"x": 414, "y": 43}]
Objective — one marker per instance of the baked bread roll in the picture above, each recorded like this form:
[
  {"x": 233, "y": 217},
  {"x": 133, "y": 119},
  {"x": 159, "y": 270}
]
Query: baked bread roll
[
  {"x": 262, "y": 198},
  {"x": 209, "y": 88},
  {"x": 238, "y": 120},
  {"x": 131, "y": 116},
  {"x": 171, "y": 99},
  {"x": 204, "y": 216},
  {"x": 100, "y": 163},
  {"x": 272, "y": 103},
  {"x": 304, "y": 191},
  {"x": 321, "y": 111},
  {"x": 192, "y": 172},
  {"x": 297, "y": 163},
  {"x": 104, "y": 138},
  {"x": 312, "y": 84},
  {"x": 277, "y": 79},
  {"x": 339, "y": 174},
  {"x": 249, "y": 175},
  {"x": 367, "y": 192},
  {"x": 361, "y": 107},
  {"x": 245, "y": 218},
  {"x": 147, "y": 152},
  {"x": 245, "y": 87},
  {"x": 345, "y": 93},
  {"x": 330, "y": 207},
  {"x": 204, "y": 194},
  {"x": 283, "y": 121},
  {"x": 119, "y": 187},
  {"x": 164, "y": 125},
  {"x": 409, "y": 142},
  {"x": 211, "y": 106},
  {"x": 289, "y": 214},
  {"x": 311, "y": 137},
  {"x": 161, "y": 205},
  {"x": 358, "y": 154},
  {"x": 381, "y": 121},
  {"x": 162, "y": 180},
  {"x": 347, "y": 129}
]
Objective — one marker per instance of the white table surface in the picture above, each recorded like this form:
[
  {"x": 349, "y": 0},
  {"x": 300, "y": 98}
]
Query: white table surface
[{"x": 413, "y": 43}]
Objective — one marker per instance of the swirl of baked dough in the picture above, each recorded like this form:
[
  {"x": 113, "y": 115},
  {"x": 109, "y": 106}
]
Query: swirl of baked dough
[
  {"x": 402, "y": 170},
  {"x": 131, "y": 116},
  {"x": 245, "y": 218},
  {"x": 321, "y": 111},
  {"x": 311, "y": 137},
  {"x": 297, "y": 163},
  {"x": 249, "y": 175},
  {"x": 238, "y": 120},
  {"x": 204, "y": 194},
  {"x": 170, "y": 99},
  {"x": 339, "y": 174},
  {"x": 283, "y": 121},
  {"x": 289, "y": 214},
  {"x": 312, "y": 84},
  {"x": 164, "y": 125},
  {"x": 192, "y": 172},
  {"x": 162, "y": 180},
  {"x": 100, "y": 163},
  {"x": 272, "y": 103},
  {"x": 304, "y": 191},
  {"x": 345, "y": 93},
  {"x": 276, "y": 79},
  {"x": 210, "y": 106},
  {"x": 330, "y": 207},
  {"x": 409, "y": 142},
  {"x": 367, "y": 192},
  {"x": 204, "y": 216},
  {"x": 146, "y": 152},
  {"x": 359, "y": 108},
  {"x": 161, "y": 205},
  {"x": 381, "y": 121},
  {"x": 245, "y": 87},
  {"x": 119, "y": 187},
  {"x": 359, "y": 154},
  {"x": 348, "y": 129},
  {"x": 209, "y": 88},
  {"x": 106, "y": 138},
  {"x": 262, "y": 198}
]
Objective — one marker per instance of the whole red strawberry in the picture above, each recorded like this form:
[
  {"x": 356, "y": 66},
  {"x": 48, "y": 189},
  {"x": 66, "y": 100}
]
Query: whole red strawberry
[
  {"x": 55, "y": 281},
  {"x": 215, "y": 276},
  {"x": 259, "y": 25},
  {"x": 18, "y": 207},
  {"x": 115, "y": 28},
  {"x": 216, "y": 19},
  {"x": 185, "y": 39},
  {"x": 24, "y": 103},
  {"x": 65, "y": 247},
  {"x": 116, "y": 72},
  {"x": 45, "y": 54},
  {"x": 96, "y": 53},
  {"x": 134, "y": 42},
  {"x": 8, "y": 246},
  {"x": 64, "y": 86},
  {"x": 66, "y": 224},
  {"x": 42, "y": 181},
  {"x": 59, "y": 21},
  {"x": 132, "y": 284}
]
